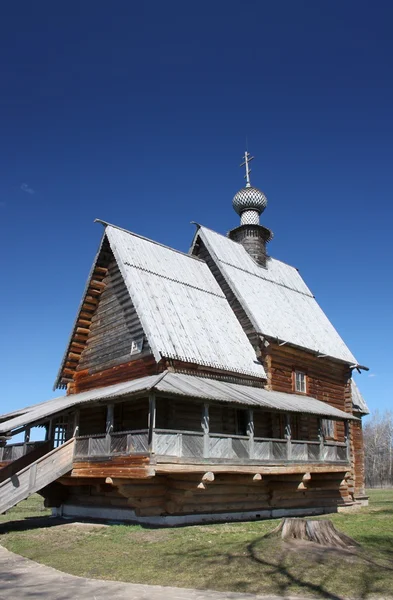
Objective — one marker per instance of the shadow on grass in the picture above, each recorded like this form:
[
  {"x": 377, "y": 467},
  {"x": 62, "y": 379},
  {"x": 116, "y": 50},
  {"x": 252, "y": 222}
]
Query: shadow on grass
[
  {"x": 289, "y": 572},
  {"x": 30, "y": 523}
]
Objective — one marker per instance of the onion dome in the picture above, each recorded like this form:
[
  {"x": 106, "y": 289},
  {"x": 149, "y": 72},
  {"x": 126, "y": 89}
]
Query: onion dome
[{"x": 249, "y": 198}]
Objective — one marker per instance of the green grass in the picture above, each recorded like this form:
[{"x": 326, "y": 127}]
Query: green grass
[{"x": 229, "y": 557}]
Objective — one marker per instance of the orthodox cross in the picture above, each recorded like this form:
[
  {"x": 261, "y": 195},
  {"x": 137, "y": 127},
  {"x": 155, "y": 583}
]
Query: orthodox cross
[{"x": 247, "y": 159}]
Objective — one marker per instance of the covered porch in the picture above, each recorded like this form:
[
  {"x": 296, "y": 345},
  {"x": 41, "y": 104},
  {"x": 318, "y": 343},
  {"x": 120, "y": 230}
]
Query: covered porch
[{"x": 176, "y": 418}]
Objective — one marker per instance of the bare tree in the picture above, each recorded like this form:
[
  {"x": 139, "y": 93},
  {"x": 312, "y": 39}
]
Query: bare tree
[{"x": 378, "y": 446}]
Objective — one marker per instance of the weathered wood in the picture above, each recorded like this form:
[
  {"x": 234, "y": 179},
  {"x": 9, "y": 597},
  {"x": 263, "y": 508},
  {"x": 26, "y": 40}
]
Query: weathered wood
[
  {"x": 321, "y": 532},
  {"x": 35, "y": 476},
  {"x": 162, "y": 467},
  {"x": 87, "y": 380},
  {"x": 11, "y": 468}
]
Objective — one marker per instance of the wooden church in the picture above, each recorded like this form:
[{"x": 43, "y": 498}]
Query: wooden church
[{"x": 207, "y": 386}]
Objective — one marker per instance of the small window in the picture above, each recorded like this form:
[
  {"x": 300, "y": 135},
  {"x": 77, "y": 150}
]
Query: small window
[
  {"x": 300, "y": 382},
  {"x": 59, "y": 436},
  {"x": 328, "y": 428},
  {"x": 241, "y": 422}
]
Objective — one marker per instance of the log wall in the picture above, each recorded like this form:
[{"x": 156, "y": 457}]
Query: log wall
[
  {"x": 86, "y": 380},
  {"x": 180, "y": 494},
  {"x": 357, "y": 456},
  {"x": 92, "y": 420},
  {"x": 327, "y": 380},
  {"x": 133, "y": 414},
  {"x": 114, "y": 326},
  {"x": 179, "y": 414}
]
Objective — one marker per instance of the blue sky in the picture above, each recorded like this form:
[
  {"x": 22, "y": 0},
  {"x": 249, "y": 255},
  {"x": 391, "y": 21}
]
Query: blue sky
[{"x": 137, "y": 113}]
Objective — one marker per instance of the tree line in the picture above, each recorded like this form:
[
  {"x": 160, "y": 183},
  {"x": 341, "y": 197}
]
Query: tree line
[{"x": 378, "y": 449}]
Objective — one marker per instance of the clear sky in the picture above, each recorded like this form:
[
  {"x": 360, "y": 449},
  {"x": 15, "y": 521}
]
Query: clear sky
[{"x": 137, "y": 113}]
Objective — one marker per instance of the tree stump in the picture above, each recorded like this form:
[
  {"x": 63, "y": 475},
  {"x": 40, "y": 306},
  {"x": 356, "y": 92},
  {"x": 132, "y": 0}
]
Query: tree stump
[{"x": 319, "y": 532}]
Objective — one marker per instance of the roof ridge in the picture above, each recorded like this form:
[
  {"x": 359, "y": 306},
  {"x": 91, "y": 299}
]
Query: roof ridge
[{"x": 143, "y": 237}]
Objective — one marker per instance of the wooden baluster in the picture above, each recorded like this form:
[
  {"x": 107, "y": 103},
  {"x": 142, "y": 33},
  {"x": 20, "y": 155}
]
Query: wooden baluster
[
  {"x": 109, "y": 427},
  {"x": 250, "y": 433},
  {"x": 288, "y": 436},
  {"x": 321, "y": 441},
  {"x": 205, "y": 429},
  {"x": 152, "y": 422}
]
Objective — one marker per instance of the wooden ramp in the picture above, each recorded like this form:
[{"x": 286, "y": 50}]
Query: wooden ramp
[{"x": 36, "y": 475}]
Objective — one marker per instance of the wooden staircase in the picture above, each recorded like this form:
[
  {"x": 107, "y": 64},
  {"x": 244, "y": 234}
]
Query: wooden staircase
[{"x": 39, "y": 473}]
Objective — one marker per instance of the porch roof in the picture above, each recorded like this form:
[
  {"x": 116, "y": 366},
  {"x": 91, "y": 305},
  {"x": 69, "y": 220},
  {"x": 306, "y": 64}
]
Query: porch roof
[{"x": 178, "y": 384}]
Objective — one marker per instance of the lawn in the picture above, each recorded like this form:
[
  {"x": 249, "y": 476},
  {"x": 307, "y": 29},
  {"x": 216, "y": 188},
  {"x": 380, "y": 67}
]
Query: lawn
[{"x": 231, "y": 557}]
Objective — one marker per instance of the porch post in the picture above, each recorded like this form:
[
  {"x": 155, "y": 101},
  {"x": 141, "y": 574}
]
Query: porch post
[
  {"x": 49, "y": 433},
  {"x": 250, "y": 433},
  {"x": 109, "y": 427},
  {"x": 205, "y": 429},
  {"x": 321, "y": 441},
  {"x": 348, "y": 439},
  {"x": 152, "y": 422},
  {"x": 288, "y": 436},
  {"x": 27, "y": 439},
  {"x": 76, "y": 423}
]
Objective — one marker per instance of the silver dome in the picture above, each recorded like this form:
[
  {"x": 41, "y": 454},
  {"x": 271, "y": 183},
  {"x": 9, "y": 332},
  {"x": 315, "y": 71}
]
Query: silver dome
[{"x": 249, "y": 198}]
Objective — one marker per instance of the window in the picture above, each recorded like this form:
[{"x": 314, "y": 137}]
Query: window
[
  {"x": 60, "y": 431},
  {"x": 328, "y": 428},
  {"x": 59, "y": 436},
  {"x": 241, "y": 422},
  {"x": 300, "y": 382}
]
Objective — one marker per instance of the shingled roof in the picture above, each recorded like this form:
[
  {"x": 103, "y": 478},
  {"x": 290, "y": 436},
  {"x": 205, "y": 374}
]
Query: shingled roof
[
  {"x": 182, "y": 309},
  {"x": 359, "y": 404},
  {"x": 275, "y": 299},
  {"x": 178, "y": 384}
]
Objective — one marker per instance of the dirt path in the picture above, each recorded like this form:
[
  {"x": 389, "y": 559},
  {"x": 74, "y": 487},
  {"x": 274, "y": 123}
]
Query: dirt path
[{"x": 23, "y": 579}]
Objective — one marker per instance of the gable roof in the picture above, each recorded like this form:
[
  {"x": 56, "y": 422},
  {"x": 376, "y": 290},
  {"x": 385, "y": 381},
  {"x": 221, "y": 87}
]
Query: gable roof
[
  {"x": 179, "y": 384},
  {"x": 358, "y": 402},
  {"x": 275, "y": 299},
  {"x": 182, "y": 309}
]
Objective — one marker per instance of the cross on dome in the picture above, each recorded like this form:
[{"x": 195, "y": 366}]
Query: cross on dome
[
  {"x": 247, "y": 159},
  {"x": 249, "y": 202}
]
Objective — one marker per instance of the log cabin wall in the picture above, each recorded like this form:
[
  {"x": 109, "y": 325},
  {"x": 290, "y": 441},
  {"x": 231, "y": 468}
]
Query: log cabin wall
[
  {"x": 357, "y": 455},
  {"x": 131, "y": 414},
  {"x": 326, "y": 380},
  {"x": 179, "y": 414},
  {"x": 84, "y": 380},
  {"x": 92, "y": 420},
  {"x": 181, "y": 494},
  {"x": 106, "y": 356},
  {"x": 114, "y": 326},
  {"x": 272, "y": 425},
  {"x": 223, "y": 419}
]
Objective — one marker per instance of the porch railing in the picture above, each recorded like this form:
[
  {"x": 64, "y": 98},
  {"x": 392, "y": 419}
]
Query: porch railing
[
  {"x": 198, "y": 445},
  {"x": 12, "y": 452},
  {"x": 118, "y": 443}
]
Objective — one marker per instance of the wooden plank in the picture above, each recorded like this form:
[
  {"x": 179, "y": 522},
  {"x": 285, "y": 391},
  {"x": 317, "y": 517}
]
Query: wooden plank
[
  {"x": 36, "y": 476},
  {"x": 171, "y": 468}
]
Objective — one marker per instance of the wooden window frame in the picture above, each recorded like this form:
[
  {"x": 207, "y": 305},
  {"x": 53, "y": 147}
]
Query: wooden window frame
[
  {"x": 334, "y": 428},
  {"x": 294, "y": 373}
]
